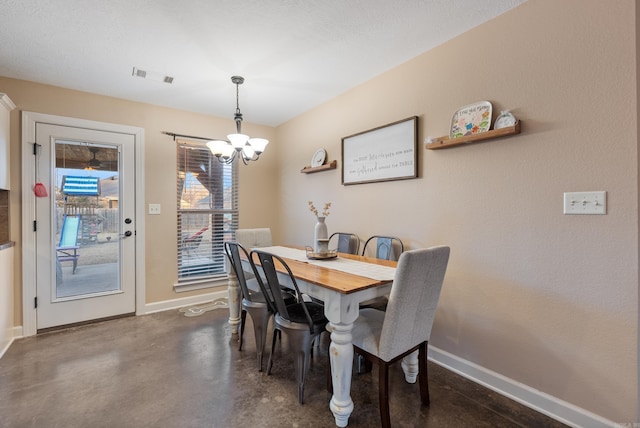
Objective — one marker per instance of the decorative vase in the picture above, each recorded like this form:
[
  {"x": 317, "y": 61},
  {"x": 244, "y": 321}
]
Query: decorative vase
[{"x": 320, "y": 237}]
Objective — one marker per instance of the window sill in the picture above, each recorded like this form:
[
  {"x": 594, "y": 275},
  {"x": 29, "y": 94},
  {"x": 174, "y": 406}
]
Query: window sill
[{"x": 200, "y": 284}]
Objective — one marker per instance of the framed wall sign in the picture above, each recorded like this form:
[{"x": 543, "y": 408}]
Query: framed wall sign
[{"x": 385, "y": 153}]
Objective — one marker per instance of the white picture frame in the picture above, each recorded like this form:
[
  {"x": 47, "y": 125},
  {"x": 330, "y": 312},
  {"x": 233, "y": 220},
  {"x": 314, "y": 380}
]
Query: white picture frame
[{"x": 385, "y": 153}]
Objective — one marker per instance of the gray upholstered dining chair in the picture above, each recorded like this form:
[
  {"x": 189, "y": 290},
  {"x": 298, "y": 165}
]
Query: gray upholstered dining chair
[
  {"x": 386, "y": 337},
  {"x": 301, "y": 321},
  {"x": 347, "y": 242},
  {"x": 253, "y": 301},
  {"x": 252, "y": 238},
  {"x": 387, "y": 247}
]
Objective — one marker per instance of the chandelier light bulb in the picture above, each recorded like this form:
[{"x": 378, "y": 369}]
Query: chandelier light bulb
[
  {"x": 258, "y": 144},
  {"x": 238, "y": 140}
]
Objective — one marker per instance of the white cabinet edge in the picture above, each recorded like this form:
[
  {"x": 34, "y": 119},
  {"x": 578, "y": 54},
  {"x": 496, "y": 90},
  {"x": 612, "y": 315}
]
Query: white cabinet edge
[{"x": 6, "y": 101}]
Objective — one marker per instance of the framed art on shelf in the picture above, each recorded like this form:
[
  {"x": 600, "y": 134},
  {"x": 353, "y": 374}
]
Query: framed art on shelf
[
  {"x": 471, "y": 119},
  {"x": 385, "y": 153}
]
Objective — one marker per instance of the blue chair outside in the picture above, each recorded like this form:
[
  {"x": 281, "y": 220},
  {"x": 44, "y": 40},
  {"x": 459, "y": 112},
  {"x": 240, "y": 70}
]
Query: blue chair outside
[{"x": 67, "y": 248}]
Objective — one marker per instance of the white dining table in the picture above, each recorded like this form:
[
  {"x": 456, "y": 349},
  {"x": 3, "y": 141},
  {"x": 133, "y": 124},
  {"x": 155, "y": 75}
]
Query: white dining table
[{"x": 342, "y": 284}]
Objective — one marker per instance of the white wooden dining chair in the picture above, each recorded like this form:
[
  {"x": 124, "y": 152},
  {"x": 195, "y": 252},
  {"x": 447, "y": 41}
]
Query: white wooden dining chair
[{"x": 386, "y": 337}]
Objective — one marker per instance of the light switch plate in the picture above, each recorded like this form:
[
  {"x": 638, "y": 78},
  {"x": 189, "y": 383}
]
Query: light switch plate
[
  {"x": 154, "y": 209},
  {"x": 585, "y": 203}
]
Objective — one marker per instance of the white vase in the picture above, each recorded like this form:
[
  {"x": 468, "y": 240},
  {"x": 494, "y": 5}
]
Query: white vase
[{"x": 320, "y": 237}]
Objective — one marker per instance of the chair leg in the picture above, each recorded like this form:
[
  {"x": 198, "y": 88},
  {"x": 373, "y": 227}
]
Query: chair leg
[
  {"x": 383, "y": 393},
  {"x": 302, "y": 364},
  {"x": 423, "y": 378},
  {"x": 260, "y": 322},
  {"x": 273, "y": 348},
  {"x": 243, "y": 319},
  {"x": 301, "y": 343},
  {"x": 363, "y": 365}
]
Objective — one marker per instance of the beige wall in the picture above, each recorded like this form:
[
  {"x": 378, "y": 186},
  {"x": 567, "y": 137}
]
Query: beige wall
[
  {"x": 545, "y": 299},
  {"x": 160, "y": 241}
]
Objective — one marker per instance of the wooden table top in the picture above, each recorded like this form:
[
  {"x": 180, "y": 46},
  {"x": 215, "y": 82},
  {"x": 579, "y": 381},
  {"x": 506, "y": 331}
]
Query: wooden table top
[{"x": 336, "y": 280}]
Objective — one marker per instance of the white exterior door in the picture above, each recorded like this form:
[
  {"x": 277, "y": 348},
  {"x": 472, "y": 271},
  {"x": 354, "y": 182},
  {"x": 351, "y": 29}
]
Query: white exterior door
[{"x": 85, "y": 229}]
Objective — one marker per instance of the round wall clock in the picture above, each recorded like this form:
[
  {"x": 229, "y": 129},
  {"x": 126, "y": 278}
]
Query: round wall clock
[
  {"x": 319, "y": 157},
  {"x": 504, "y": 120}
]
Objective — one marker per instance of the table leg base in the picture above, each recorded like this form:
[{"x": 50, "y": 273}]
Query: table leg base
[
  {"x": 341, "y": 412},
  {"x": 410, "y": 367},
  {"x": 234, "y": 303}
]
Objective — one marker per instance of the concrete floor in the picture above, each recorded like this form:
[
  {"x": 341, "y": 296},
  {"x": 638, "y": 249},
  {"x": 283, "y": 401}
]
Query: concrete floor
[{"x": 168, "y": 370}]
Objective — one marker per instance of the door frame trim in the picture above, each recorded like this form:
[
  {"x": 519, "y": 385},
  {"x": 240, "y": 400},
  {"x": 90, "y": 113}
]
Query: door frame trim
[{"x": 29, "y": 121}]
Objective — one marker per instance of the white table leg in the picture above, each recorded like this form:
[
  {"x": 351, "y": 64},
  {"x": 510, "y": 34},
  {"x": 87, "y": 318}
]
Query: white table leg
[
  {"x": 341, "y": 355},
  {"x": 410, "y": 367},
  {"x": 234, "y": 302}
]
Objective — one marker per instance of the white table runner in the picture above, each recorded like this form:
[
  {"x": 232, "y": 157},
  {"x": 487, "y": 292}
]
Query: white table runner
[{"x": 354, "y": 267}]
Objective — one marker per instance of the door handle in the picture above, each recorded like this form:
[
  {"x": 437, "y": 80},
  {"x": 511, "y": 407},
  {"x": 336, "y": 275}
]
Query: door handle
[{"x": 127, "y": 233}]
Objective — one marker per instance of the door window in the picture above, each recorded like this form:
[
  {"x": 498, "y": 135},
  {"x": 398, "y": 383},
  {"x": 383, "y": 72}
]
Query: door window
[{"x": 86, "y": 219}]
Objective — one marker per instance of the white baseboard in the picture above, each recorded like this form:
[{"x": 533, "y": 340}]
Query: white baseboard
[
  {"x": 14, "y": 333},
  {"x": 539, "y": 401},
  {"x": 6, "y": 347},
  {"x": 166, "y": 305}
]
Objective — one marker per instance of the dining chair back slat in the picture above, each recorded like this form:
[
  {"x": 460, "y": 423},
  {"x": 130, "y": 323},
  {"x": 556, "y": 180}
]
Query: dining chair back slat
[
  {"x": 233, "y": 253},
  {"x": 347, "y": 242},
  {"x": 267, "y": 264},
  {"x": 387, "y": 247}
]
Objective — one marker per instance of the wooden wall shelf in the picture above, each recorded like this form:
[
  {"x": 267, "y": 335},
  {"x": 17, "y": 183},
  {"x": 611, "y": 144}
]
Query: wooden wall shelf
[
  {"x": 311, "y": 169},
  {"x": 444, "y": 142}
]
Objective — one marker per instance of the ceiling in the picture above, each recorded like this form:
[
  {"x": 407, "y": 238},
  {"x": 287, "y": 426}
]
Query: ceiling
[{"x": 294, "y": 54}]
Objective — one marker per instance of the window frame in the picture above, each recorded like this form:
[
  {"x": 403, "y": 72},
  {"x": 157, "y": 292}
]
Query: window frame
[{"x": 221, "y": 221}]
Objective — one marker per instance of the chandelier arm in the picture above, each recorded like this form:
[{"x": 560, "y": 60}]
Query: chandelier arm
[{"x": 227, "y": 161}]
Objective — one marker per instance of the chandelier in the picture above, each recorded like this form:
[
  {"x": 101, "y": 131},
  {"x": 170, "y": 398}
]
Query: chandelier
[{"x": 238, "y": 144}]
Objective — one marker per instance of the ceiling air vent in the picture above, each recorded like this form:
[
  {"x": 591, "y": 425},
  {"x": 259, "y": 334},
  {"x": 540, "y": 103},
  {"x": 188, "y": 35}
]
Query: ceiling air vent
[{"x": 151, "y": 75}]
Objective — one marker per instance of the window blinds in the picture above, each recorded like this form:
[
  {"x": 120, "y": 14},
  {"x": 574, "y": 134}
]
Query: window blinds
[{"x": 207, "y": 202}]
